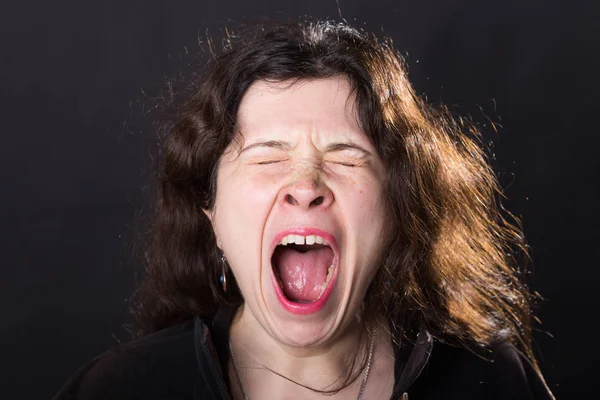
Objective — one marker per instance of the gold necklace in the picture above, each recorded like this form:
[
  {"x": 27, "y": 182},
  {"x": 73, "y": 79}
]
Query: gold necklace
[{"x": 362, "y": 385}]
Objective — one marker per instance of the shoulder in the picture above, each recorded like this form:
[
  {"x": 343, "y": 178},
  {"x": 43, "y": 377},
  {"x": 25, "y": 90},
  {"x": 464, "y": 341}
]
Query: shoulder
[
  {"x": 500, "y": 371},
  {"x": 144, "y": 368}
]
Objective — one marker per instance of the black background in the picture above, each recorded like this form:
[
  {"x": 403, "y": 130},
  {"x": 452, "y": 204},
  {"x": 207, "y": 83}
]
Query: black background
[{"x": 77, "y": 138}]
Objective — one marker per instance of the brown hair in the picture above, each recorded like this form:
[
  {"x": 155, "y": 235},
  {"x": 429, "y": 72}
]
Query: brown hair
[{"x": 451, "y": 261}]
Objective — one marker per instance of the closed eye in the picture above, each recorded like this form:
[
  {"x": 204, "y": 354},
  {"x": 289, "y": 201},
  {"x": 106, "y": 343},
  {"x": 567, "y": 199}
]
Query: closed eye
[
  {"x": 347, "y": 154},
  {"x": 268, "y": 162},
  {"x": 351, "y": 161},
  {"x": 345, "y": 164}
]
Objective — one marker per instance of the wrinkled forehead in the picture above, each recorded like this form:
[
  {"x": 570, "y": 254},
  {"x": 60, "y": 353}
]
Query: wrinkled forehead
[{"x": 325, "y": 106}]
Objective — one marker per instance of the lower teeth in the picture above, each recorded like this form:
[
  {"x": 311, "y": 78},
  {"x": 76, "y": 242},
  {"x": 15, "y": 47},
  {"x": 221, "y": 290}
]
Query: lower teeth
[{"x": 327, "y": 279}]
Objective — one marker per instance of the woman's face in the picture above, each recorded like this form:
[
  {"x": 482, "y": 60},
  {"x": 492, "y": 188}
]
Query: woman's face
[{"x": 299, "y": 210}]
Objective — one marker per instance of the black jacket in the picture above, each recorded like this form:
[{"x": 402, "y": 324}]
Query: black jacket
[{"x": 184, "y": 362}]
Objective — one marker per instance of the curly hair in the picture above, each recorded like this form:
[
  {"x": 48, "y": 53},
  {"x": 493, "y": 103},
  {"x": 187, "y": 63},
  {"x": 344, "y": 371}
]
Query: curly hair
[{"x": 450, "y": 262}]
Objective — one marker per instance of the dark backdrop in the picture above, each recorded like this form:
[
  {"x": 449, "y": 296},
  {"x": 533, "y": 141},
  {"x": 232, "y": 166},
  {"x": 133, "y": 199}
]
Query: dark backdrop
[{"x": 76, "y": 139}]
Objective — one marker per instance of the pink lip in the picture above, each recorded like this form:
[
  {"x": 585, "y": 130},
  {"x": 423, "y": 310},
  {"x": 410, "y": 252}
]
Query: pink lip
[{"x": 306, "y": 308}]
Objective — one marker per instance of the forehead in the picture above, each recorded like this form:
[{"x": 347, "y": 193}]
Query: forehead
[{"x": 324, "y": 107}]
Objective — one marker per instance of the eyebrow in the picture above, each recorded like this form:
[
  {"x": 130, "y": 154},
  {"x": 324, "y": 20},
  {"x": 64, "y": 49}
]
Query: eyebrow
[
  {"x": 277, "y": 144},
  {"x": 345, "y": 146},
  {"x": 333, "y": 147}
]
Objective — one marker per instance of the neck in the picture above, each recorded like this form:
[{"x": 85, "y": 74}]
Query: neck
[{"x": 323, "y": 367}]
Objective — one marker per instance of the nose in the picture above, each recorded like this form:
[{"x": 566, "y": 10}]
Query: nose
[{"x": 307, "y": 194}]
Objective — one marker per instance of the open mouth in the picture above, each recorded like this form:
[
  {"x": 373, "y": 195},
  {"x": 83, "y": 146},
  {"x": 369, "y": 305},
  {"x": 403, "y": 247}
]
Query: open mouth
[{"x": 303, "y": 266}]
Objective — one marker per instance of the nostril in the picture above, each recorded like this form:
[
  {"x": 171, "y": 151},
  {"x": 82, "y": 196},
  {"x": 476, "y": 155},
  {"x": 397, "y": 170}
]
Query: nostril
[
  {"x": 291, "y": 200},
  {"x": 318, "y": 201}
]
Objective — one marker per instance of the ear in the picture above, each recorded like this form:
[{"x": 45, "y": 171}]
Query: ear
[{"x": 211, "y": 215}]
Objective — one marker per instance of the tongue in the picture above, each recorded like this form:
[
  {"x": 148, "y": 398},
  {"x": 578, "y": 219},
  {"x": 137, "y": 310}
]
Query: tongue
[{"x": 303, "y": 273}]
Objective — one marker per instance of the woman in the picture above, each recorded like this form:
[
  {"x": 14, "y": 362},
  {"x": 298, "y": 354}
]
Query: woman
[{"x": 321, "y": 232}]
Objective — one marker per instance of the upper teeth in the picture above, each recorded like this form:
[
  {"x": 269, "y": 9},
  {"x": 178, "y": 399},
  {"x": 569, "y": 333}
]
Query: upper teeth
[{"x": 298, "y": 239}]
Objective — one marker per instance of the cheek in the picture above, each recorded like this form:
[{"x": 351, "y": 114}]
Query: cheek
[
  {"x": 241, "y": 209},
  {"x": 366, "y": 202},
  {"x": 366, "y": 221},
  {"x": 239, "y": 193}
]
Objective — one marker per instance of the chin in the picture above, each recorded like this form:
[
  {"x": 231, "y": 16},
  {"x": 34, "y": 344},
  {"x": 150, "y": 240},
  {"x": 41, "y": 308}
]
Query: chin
[{"x": 306, "y": 330}]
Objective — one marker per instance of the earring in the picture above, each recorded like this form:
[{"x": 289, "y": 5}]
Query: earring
[{"x": 223, "y": 276}]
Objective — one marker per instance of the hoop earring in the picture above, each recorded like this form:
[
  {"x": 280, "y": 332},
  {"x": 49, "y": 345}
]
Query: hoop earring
[{"x": 223, "y": 276}]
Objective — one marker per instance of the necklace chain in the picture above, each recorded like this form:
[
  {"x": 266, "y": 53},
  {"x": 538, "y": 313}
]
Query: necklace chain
[{"x": 362, "y": 385}]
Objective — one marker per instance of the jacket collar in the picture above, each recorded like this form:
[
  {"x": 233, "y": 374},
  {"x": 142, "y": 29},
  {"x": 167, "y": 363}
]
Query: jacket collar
[
  {"x": 212, "y": 353},
  {"x": 411, "y": 358}
]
